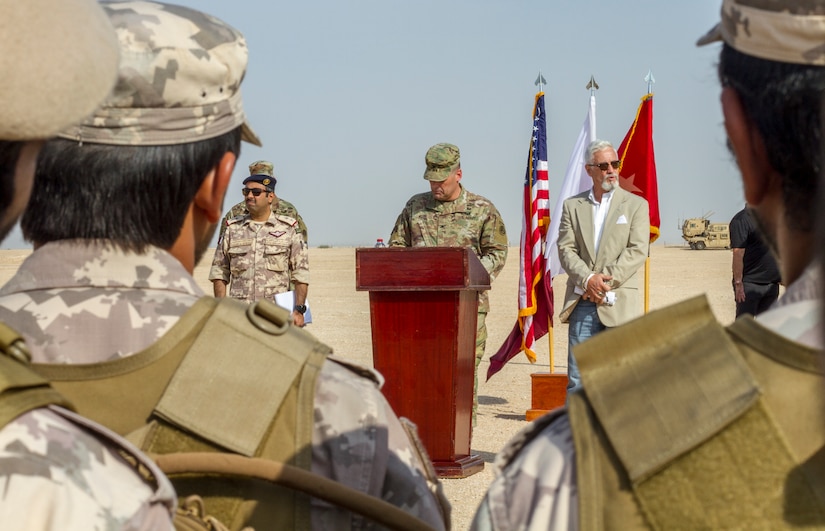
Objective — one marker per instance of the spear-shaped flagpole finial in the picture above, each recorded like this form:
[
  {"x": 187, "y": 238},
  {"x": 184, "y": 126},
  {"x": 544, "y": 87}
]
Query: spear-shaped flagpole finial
[
  {"x": 540, "y": 81},
  {"x": 592, "y": 85},
  {"x": 650, "y": 81}
]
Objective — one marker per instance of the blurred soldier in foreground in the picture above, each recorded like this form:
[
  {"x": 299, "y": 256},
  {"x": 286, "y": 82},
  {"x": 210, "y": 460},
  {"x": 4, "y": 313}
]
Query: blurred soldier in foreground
[
  {"x": 450, "y": 216},
  {"x": 279, "y": 205},
  {"x": 683, "y": 423},
  {"x": 58, "y": 470},
  {"x": 261, "y": 253},
  {"x": 116, "y": 320}
]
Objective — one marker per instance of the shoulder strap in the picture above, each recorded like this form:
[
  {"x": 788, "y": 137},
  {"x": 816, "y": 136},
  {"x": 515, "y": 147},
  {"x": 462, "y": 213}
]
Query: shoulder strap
[
  {"x": 671, "y": 422},
  {"x": 678, "y": 360},
  {"x": 236, "y": 348},
  {"x": 291, "y": 477},
  {"x": 21, "y": 390}
]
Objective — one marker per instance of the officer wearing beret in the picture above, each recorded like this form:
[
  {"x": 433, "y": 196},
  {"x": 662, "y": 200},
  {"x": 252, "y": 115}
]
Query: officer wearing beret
[
  {"x": 261, "y": 253},
  {"x": 279, "y": 204},
  {"x": 451, "y": 216}
]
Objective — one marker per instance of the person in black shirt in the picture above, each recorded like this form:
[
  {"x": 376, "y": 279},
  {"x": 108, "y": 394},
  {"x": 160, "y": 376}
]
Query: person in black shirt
[{"x": 755, "y": 272}]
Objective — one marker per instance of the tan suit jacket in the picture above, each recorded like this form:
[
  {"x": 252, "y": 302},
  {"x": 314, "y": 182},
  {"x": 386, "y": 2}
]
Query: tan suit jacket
[{"x": 624, "y": 246}]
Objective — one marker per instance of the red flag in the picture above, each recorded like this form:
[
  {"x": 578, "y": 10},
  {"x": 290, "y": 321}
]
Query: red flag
[
  {"x": 535, "y": 282},
  {"x": 638, "y": 173}
]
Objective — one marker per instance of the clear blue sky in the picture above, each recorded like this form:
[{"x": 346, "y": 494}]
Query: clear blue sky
[{"x": 348, "y": 95}]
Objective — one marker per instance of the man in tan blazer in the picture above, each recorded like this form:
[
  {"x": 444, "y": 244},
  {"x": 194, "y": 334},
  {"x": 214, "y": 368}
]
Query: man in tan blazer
[{"x": 604, "y": 238}]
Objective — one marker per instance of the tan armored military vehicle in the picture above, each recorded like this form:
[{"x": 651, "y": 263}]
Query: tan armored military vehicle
[{"x": 701, "y": 233}]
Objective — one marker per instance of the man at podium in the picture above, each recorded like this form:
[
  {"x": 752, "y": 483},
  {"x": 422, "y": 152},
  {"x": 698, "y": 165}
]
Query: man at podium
[{"x": 451, "y": 216}]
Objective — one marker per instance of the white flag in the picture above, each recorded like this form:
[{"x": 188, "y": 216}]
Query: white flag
[{"x": 576, "y": 181}]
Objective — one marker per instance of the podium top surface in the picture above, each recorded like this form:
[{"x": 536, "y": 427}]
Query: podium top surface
[{"x": 419, "y": 269}]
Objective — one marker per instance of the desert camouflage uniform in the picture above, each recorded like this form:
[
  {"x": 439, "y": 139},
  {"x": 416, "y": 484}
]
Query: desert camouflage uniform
[
  {"x": 60, "y": 471},
  {"x": 469, "y": 221},
  {"x": 280, "y": 207},
  {"x": 536, "y": 487},
  {"x": 98, "y": 303},
  {"x": 260, "y": 260}
]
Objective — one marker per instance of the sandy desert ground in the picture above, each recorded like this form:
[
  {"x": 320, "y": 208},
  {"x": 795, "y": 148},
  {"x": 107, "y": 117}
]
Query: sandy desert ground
[{"x": 341, "y": 319}]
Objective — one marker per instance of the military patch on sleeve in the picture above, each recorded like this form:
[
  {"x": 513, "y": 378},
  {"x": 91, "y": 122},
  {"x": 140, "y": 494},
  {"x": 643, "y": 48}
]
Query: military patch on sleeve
[{"x": 501, "y": 229}]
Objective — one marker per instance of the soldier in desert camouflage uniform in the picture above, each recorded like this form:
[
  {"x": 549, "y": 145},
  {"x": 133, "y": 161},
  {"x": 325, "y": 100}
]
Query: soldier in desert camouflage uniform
[
  {"x": 58, "y": 470},
  {"x": 683, "y": 423},
  {"x": 450, "y": 216},
  {"x": 116, "y": 292},
  {"x": 261, "y": 253},
  {"x": 279, "y": 204}
]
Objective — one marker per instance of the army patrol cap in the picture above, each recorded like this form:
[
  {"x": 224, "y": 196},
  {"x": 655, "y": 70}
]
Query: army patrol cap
[
  {"x": 787, "y": 31},
  {"x": 179, "y": 79},
  {"x": 262, "y": 167},
  {"x": 442, "y": 160},
  {"x": 59, "y": 61}
]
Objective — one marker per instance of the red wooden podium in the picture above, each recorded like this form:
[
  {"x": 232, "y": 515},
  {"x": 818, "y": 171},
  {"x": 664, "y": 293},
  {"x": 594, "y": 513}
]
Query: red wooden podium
[{"x": 423, "y": 311}]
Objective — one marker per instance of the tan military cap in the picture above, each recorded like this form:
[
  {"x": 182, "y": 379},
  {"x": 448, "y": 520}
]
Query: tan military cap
[
  {"x": 58, "y": 62},
  {"x": 441, "y": 160},
  {"x": 787, "y": 31},
  {"x": 179, "y": 79},
  {"x": 262, "y": 167}
]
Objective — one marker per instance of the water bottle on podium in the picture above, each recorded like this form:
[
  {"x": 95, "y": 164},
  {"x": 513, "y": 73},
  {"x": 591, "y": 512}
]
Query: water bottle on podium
[{"x": 380, "y": 243}]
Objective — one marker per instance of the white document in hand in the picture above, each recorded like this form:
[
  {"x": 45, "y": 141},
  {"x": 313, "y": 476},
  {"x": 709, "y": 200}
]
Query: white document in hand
[{"x": 287, "y": 300}]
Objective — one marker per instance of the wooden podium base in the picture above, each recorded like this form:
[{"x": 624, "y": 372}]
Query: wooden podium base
[
  {"x": 549, "y": 392},
  {"x": 460, "y": 468}
]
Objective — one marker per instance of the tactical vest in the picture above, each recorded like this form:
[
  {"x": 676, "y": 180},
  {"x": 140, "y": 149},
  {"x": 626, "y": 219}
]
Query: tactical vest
[
  {"x": 685, "y": 424},
  {"x": 227, "y": 377}
]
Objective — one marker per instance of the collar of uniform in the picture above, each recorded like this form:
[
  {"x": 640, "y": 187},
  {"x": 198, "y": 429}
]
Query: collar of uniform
[
  {"x": 271, "y": 220},
  {"x": 459, "y": 204},
  {"x": 796, "y": 315},
  {"x": 97, "y": 263}
]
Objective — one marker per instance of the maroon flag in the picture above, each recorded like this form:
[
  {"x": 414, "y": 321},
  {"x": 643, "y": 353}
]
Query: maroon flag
[
  {"x": 535, "y": 298},
  {"x": 638, "y": 173}
]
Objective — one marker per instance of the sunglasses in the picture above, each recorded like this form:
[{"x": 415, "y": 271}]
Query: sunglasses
[
  {"x": 255, "y": 191},
  {"x": 605, "y": 165}
]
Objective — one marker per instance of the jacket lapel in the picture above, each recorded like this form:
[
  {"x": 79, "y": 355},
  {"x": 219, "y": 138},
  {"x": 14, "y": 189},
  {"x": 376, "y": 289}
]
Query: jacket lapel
[{"x": 584, "y": 213}]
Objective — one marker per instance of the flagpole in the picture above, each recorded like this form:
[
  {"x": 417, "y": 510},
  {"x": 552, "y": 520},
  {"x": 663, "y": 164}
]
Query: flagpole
[
  {"x": 650, "y": 81},
  {"x": 540, "y": 81}
]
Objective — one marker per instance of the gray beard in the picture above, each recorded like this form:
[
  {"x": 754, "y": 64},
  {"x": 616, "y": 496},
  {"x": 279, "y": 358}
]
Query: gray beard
[{"x": 608, "y": 186}]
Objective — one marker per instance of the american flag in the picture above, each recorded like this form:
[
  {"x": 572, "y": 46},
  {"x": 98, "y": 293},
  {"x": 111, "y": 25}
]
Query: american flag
[{"x": 535, "y": 298}]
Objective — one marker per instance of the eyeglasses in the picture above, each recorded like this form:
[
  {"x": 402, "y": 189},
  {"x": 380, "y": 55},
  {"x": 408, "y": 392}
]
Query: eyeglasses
[
  {"x": 254, "y": 191},
  {"x": 604, "y": 165}
]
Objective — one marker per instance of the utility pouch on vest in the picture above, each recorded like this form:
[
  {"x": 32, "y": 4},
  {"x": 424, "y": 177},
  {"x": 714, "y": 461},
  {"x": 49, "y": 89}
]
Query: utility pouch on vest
[
  {"x": 671, "y": 433},
  {"x": 21, "y": 390},
  {"x": 247, "y": 385},
  {"x": 226, "y": 377}
]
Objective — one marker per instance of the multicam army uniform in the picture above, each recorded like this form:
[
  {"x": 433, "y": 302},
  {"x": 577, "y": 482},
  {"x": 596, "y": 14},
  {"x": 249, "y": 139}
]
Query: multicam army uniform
[
  {"x": 538, "y": 486},
  {"x": 280, "y": 207},
  {"x": 61, "y": 471},
  {"x": 97, "y": 303},
  {"x": 469, "y": 221},
  {"x": 259, "y": 260}
]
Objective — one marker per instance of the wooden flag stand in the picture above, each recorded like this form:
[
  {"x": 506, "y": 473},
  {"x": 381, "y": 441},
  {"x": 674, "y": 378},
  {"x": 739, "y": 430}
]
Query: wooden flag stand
[{"x": 549, "y": 389}]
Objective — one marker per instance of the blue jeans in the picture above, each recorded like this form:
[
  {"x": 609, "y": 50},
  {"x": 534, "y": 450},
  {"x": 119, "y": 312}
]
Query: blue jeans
[{"x": 582, "y": 324}]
